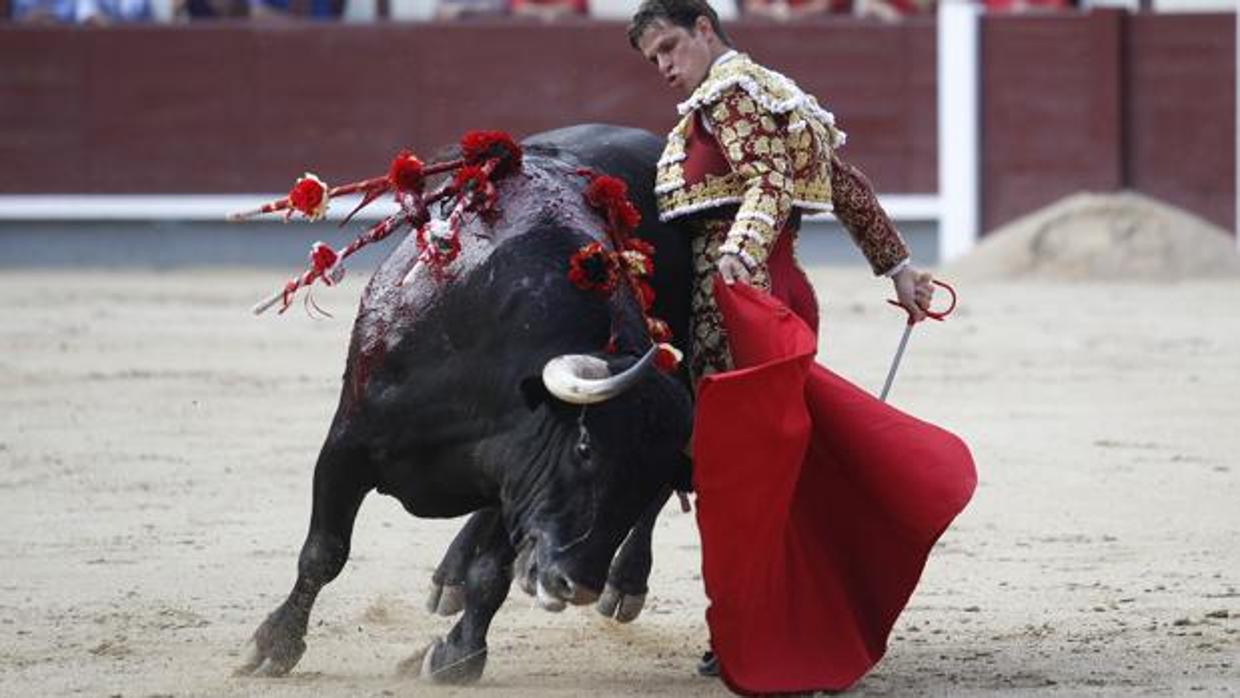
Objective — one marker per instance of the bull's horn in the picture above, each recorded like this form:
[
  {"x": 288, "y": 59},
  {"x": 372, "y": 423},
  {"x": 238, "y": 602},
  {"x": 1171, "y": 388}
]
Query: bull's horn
[{"x": 582, "y": 379}]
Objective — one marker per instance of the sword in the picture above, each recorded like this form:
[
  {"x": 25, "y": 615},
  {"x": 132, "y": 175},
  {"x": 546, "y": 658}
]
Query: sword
[{"x": 908, "y": 331}]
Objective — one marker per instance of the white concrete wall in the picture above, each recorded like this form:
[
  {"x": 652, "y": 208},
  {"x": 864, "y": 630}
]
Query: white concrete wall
[
  {"x": 959, "y": 128},
  {"x": 1194, "y": 5}
]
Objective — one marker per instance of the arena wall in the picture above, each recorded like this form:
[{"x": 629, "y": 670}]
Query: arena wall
[
  {"x": 239, "y": 108},
  {"x": 1070, "y": 102},
  {"x": 1108, "y": 101},
  {"x": 1181, "y": 98}
]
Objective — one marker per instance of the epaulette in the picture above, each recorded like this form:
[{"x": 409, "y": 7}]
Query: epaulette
[{"x": 771, "y": 90}]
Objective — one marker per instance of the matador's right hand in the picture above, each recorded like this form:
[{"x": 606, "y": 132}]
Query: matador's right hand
[
  {"x": 732, "y": 269},
  {"x": 914, "y": 291}
]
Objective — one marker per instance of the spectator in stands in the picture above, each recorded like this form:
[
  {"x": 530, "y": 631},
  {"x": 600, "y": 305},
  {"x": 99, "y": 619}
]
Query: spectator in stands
[
  {"x": 1027, "y": 5},
  {"x": 211, "y": 9},
  {"x": 792, "y": 10},
  {"x": 286, "y": 9},
  {"x": 466, "y": 9},
  {"x": 96, "y": 12},
  {"x": 892, "y": 10},
  {"x": 45, "y": 11},
  {"x": 548, "y": 10}
]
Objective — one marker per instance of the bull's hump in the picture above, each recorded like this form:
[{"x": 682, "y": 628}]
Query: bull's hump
[{"x": 544, "y": 193}]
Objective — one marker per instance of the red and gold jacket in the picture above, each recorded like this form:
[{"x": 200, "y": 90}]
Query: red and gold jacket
[{"x": 750, "y": 138}]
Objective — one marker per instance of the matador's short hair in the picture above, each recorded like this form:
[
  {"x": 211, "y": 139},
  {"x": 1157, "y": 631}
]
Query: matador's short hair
[{"x": 681, "y": 13}]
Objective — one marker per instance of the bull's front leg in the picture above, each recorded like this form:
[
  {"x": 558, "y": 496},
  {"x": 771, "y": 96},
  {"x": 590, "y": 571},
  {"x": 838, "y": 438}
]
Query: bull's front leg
[
  {"x": 627, "y": 579},
  {"x": 447, "y": 594},
  {"x": 461, "y": 657},
  {"x": 279, "y": 641}
]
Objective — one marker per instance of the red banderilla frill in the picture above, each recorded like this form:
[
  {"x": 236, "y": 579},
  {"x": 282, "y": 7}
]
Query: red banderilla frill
[{"x": 485, "y": 154}]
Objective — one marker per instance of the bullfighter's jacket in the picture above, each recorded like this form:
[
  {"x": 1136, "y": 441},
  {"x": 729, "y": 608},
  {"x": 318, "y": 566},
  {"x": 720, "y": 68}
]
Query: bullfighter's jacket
[
  {"x": 750, "y": 153},
  {"x": 779, "y": 146}
]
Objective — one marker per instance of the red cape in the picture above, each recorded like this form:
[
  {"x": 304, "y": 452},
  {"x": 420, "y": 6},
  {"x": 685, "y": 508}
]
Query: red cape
[{"x": 817, "y": 506}]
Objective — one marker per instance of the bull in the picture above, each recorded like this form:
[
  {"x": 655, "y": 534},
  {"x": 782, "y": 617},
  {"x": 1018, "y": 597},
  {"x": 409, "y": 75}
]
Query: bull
[{"x": 445, "y": 406}]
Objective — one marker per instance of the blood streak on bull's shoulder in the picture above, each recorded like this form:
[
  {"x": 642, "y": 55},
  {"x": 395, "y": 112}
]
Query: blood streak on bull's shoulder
[
  {"x": 394, "y": 298},
  {"x": 542, "y": 193}
]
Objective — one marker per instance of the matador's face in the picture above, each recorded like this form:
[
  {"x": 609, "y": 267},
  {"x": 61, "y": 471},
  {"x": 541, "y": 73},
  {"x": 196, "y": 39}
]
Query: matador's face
[{"x": 682, "y": 56}]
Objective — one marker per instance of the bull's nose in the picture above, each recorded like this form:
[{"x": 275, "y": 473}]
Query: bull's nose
[
  {"x": 557, "y": 585},
  {"x": 550, "y": 597}
]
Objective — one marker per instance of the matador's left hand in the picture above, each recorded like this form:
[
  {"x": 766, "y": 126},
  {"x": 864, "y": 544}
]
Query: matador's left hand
[{"x": 914, "y": 291}]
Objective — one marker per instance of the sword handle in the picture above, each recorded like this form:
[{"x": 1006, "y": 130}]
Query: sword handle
[{"x": 939, "y": 315}]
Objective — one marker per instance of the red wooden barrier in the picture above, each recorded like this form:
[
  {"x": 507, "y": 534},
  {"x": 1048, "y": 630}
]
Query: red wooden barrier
[
  {"x": 1051, "y": 114},
  {"x": 240, "y": 108},
  {"x": 1181, "y": 91},
  {"x": 1070, "y": 102},
  {"x": 1108, "y": 101}
]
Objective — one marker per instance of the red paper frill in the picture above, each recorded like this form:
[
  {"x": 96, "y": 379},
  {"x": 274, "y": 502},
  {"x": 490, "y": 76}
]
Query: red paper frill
[
  {"x": 593, "y": 268},
  {"x": 309, "y": 196},
  {"x": 479, "y": 146},
  {"x": 645, "y": 294},
  {"x": 667, "y": 358},
  {"x": 659, "y": 330},
  {"x": 610, "y": 196},
  {"x": 407, "y": 173}
]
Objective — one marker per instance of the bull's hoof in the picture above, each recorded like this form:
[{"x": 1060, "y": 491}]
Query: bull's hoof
[
  {"x": 446, "y": 599},
  {"x": 444, "y": 664},
  {"x": 618, "y": 605},
  {"x": 276, "y": 649},
  {"x": 418, "y": 664}
]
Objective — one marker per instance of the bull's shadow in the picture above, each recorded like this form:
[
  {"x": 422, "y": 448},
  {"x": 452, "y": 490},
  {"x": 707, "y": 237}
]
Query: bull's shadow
[{"x": 443, "y": 406}]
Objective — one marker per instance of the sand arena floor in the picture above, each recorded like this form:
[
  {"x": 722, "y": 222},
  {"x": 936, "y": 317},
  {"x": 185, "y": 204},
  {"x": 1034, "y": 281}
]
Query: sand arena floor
[{"x": 157, "y": 443}]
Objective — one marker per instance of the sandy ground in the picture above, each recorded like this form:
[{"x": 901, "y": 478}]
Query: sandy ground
[{"x": 157, "y": 442}]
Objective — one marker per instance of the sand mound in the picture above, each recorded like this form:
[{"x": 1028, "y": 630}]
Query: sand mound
[{"x": 1122, "y": 236}]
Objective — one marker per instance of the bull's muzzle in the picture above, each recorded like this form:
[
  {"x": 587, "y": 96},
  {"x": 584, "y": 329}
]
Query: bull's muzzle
[
  {"x": 584, "y": 379},
  {"x": 551, "y": 587}
]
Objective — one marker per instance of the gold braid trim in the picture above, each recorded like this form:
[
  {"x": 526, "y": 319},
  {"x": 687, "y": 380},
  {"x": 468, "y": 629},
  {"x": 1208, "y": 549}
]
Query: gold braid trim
[
  {"x": 806, "y": 131},
  {"x": 753, "y": 142},
  {"x": 779, "y": 143}
]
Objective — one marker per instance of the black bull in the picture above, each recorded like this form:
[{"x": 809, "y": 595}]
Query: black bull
[{"x": 443, "y": 407}]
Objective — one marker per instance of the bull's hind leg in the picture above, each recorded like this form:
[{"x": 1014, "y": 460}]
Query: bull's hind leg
[
  {"x": 461, "y": 657},
  {"x": 338, "y": 492},
  {"x": 625, "y": 594},
  {"x": 447, "y": 595}
]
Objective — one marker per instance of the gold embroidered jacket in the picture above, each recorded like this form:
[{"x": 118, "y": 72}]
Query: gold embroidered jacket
[{"x": 779, "y": 145}]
